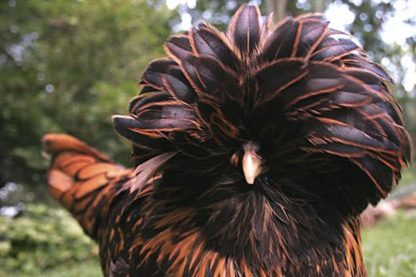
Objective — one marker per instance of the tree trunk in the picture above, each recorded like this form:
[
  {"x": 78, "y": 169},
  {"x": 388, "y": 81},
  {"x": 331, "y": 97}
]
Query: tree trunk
[
  {"x": 278, "y": 8},
  {"x": 318, "y": 6}
]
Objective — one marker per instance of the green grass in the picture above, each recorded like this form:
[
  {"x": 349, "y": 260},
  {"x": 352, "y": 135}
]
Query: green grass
[
  {"x": 390, "y": 247},
  {"x": 408, "y": 176}
]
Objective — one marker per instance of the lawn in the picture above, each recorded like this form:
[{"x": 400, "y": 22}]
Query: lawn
[{"x": 390, "y": 246}]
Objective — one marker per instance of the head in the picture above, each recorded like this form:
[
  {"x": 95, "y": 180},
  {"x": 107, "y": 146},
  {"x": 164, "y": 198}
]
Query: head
[{"x": 294, "y": 101}]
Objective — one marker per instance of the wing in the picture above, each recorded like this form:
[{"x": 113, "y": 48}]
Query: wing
[{"x": 83, "y": 180}]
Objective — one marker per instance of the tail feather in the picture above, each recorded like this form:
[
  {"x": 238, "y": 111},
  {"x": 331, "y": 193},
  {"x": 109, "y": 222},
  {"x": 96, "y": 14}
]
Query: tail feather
[{"x": 82, "y": 179}]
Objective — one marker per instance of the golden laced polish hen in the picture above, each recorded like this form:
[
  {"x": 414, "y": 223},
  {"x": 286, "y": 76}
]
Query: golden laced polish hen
[{"x": 256, "y": 150}]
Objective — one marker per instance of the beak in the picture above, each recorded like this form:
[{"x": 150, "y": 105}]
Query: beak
[{"x": 252, "y": 165}]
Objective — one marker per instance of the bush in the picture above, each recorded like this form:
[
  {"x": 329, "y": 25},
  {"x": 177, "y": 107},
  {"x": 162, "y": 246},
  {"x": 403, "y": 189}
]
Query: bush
[{"x": 41, "y": 239}]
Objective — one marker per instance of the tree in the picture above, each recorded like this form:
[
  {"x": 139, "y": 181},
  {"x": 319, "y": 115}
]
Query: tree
[{"x": 67, "y": 66}]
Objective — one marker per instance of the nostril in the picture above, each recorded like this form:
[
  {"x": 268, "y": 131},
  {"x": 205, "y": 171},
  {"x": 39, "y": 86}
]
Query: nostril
[{"x": 235, "y": 159}]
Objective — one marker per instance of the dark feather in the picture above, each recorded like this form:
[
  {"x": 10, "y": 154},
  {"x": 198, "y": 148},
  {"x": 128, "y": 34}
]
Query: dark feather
[
  {"x": 208, "y": 41},
  {"x": 244, "y": 29},
  {"x": 280, "y": 41}
]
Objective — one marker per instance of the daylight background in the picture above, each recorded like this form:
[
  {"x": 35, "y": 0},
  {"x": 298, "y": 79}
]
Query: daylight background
[{"x": 68, "y": 65}]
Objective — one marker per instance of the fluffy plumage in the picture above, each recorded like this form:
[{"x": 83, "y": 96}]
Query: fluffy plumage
[{"x": 300, "y": 101}]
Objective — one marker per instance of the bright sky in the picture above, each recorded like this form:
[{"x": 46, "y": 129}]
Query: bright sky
[{"x": 395, "y": 31}]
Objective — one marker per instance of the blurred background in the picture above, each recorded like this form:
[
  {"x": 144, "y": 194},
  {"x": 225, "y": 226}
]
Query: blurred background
[{"x": 68, "y": 65}]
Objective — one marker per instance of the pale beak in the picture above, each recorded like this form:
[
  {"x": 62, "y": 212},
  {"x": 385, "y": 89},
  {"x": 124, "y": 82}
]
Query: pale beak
[{"x": 252, "y": 166}]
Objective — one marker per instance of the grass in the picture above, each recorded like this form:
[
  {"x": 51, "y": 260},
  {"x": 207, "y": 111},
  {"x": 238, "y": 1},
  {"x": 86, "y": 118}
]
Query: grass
[
  {"x": 408, "y": 176},
  {"x": 390, "y": 247}
]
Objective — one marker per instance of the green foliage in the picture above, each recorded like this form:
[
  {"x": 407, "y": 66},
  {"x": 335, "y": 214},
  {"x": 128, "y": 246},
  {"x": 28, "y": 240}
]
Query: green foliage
[
  {"x": 89, "y": 268},
  {"x": 67, "y": 66},
  {"x": 389, "y": 248},
  {"x": 43, "y": 239}
]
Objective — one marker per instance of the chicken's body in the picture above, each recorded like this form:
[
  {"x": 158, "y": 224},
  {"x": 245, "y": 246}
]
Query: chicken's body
[
  {"x": 160, "y": 231},
  {"x": 255, "y": 153}
]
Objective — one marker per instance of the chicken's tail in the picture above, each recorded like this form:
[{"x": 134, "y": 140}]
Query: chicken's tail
[{"x": 84, "y": 180}]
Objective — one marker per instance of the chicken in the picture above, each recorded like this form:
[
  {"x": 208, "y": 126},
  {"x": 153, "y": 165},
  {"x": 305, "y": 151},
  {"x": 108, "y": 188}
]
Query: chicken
[{"x": 255, "y": 152}]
